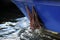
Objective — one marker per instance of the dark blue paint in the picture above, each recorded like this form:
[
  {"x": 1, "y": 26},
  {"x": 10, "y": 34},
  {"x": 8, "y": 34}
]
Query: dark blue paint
[{"x": 49, "y": 12}]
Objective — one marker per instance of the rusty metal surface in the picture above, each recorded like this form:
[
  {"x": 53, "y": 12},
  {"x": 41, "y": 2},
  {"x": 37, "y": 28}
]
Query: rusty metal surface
[{"x": 34, "y": 22}]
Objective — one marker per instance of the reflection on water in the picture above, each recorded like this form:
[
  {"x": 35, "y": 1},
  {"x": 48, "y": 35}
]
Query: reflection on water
[
  {"x": 18, "y": 30},
  {"x": 8, "y": 29}
]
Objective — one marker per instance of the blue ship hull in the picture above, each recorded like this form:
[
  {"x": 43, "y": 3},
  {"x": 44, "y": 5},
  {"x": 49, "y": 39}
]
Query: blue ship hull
[{"x": 49, "y": 12}]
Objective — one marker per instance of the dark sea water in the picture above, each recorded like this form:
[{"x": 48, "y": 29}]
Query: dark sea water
[
  {"x": 19, "y": 29},
  {"x": 12, "y": 29}
]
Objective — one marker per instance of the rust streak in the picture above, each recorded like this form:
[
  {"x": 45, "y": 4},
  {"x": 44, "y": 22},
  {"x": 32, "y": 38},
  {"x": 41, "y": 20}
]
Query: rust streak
[{"x": 34, "y": 22}]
